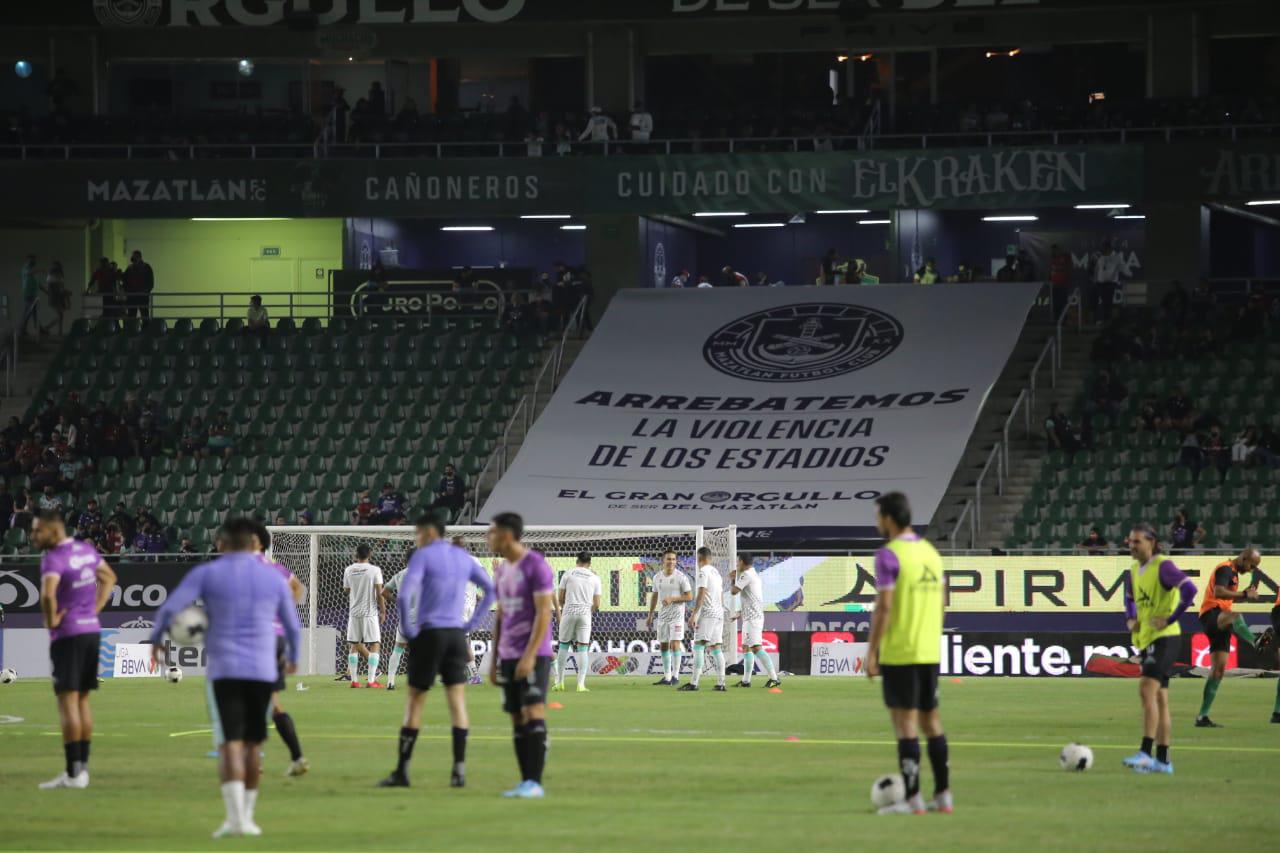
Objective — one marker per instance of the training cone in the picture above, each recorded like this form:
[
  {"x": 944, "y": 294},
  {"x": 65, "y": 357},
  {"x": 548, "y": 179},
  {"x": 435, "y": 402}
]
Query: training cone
[
  {"x": 555, "y": 706},
  {"x": 775, "y": 689}
]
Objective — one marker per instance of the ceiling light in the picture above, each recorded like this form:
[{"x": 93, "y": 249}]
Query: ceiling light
[
  {"x": 850, "y": 210},
  {"x": 760, "y": 225},
  {"x": 1100, "y": 206},
  {"x": 1011, "y": 218},
  {"x": 573, "y": 228},
  {"x": 720, "y": 213},
  {"x": 545, "y": 216},
  {"x": 1262, "y": 202},
  {"x": 467, "y": 228},
  {"x": 873, "y": 221},
  {"x": 1129, "y": 216}
]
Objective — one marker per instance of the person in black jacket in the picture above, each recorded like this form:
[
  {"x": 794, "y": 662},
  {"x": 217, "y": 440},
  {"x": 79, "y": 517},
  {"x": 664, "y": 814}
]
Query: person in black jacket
[{"x": 139, "y": 281}]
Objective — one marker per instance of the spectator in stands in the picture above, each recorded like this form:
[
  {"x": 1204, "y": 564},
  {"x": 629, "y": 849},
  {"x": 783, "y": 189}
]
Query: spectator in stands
[
  {"x": 139, "y": 282},
  {"x": 466, "y": 280},
  {"x": 46, "y": 471},
  {"x": 6, "y": 506},
  {"x": 1105, "y": 396},
  {"x": 142, "y": 517},
  {"x": 389, "y": 507},
  {"x": 111, "y": 541},
  {"x": 90, "y": 517},
  {"x": 55, "y": 288},
  {"x": 517, "y": 318},
  {"x": 150, "y": 540},
  {"x": 450, "y": 491},
  {"x": 1058, "y": 431},
  {"x": 105, "y": 282},
  {"x": 1217, "y": 454},
  {"x": 123, "y": 521},
  {"x": 306, "y": 519},
  {"x": 1026, "y": 267},
  {"x": 927, "y": 274},
  {"x": 376, "y": 99},
  {"x": 338, "y": 110},
  {"x": 364, "y": 509},
  {"x": 600, "y": 128},
  {"x": 222, "y": 437},
  {"x": 641, "y": 123},
  {"x": 1179, "y": 410},
  {"x": 827, "y": 267},
  {"x": 1175, "y": 305},
  {"x": 1095, "y": 543},
  {"x": 148, "y": 439},
  {"x": 1184, "y": 533},
  {"x": 533, "y": 144},
  {"x": 71, "y": 473},
  {"x": 1151, "y": 416},
  {"x": 564, "y": 140},
  {"x": 14, "y": 431},
  {"x": 256, "y": 320},
  {"x": 195, "y": 438},
  {"x": 67, "y": 429},
  {"x": 1059, "y": 279},
  {"x": 8, "y": 461},
  {"x": 1008, "y": 272},
  {"x": 50, "y": 500},
  {"x": 28, "y": 453},
  {"x": 186, "y": 546},
  {"x": 22, "y": 514},
  {"x": 1106, "y": 283},
  {"x": 729, "y": 277},
  {"x": 704, "y": 282},
  {"x": 965, "y": 273},
  {"x": 1190, "y": 456},
  {"x": 30, "y": 295}
]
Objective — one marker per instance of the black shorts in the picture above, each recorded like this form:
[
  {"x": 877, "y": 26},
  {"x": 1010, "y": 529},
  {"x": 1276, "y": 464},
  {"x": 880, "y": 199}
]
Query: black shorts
[
  {"x": 242, "y": 708},
  {"x": 75, "y": 663},
  {"x": 441, "y": 651},
  {"x": 1219, "y": 639},
  {"x": 1275, "y": 619},
  {"x": 280, "y": 663},
  {"x": 517, "y": 695},
  {"x": 910, "y": 685},
  {"x": 1158, "y": 659}
]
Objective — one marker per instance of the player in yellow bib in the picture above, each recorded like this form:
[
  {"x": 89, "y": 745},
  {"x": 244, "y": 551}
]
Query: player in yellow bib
[
  {"x": 1160, "y": 594},
  {"x": 905, "y": 647}
]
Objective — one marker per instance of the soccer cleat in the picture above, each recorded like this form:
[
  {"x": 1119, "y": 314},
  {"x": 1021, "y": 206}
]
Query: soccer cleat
[
  {"x": 558, "y": 687},
  {"x": 720, "y": 688},
  {"x": 514, "y": 791},
  {"x": 374, "y": 684},
  {"x": 391, "y": 686},
  {"x": 773, "y": 682},
  {"x": 912, "y": 806},
  {"x": 582, "y": 688},
  {"x": 743, "y": 684},
  {"x": 457, "y": 780},
  {"x": 1165, "y": 767},
  {"x": 395, "y": 779},
  {"x": 250, "y": 828},
  {"x": 1206, "y": 723},
  {"x": 1275, "y": 716},
  {"x": 355, "y": 684},
  {"x": 62, "y": 780},
  {"x": 529, "y": 790},
  {"x": 665, "y": 682},
  {"x": 298, "y": 768},
  {"x": 343, "y": 677},
  {"x": 227, "y": 831},
  {"x": 1138, "y": 761},
  {"x": 941, "y": 803},
  {"x": 687, "y": 688}
]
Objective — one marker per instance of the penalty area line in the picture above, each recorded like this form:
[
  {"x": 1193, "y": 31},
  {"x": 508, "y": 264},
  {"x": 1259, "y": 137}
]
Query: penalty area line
[{"x": 192, "y": 732}]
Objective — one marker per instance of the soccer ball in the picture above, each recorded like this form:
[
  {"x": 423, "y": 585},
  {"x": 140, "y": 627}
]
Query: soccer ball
[
  {"x": 8, "y": 675},
  {"x": 1076, "y": 758},
  {"x": 189, "y": 626},
  {"x": 173, "y": 674},
  {"x": 888, "y": 790}
]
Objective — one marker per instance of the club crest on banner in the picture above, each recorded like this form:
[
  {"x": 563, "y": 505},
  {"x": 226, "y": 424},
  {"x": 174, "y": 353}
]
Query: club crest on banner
[{"x": 128, "y": 13}]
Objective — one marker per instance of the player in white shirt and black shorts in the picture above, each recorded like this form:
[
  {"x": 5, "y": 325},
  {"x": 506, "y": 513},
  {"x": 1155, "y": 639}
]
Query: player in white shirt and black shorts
[
  {"x": 671, "y": 589},
  {"x": 707, "y": 621},
  {"x": 579, "y": 597},
  {"x": 365, "y": 611},
  {"x": 746, "y": 582}
]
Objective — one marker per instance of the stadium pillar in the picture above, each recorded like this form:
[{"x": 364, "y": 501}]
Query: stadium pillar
[
  {"x": 613, "y": 256},
  {"x": 1176, "y": 245},
  {"x": 1177, "y": 54},
  {"x": 611, "y": 79}
]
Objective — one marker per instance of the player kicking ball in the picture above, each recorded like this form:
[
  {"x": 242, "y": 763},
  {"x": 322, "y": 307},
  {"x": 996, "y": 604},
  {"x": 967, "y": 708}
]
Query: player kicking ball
[
  {"x": 579, "y": 598},
  {"x": 670, "y": 589},
  {"x": 707, "y": 622},
  {"x": 366, "y": 611},
  {"x": 746, "y": 582},
  {"x": 75, "y": 584},
  {"x": 430, "y": 607},
  {"x": 906, "y": 632},
  {"x": 1220, "y": 595}
]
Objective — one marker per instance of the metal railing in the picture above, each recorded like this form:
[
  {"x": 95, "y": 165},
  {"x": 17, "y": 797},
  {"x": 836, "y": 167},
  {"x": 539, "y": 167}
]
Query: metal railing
[
  {"x": 10, "y": 351},
  {"x": 526, "y": 410},
  {"x": 965, "y": 514},
  {"x": 321, "y": 149}
]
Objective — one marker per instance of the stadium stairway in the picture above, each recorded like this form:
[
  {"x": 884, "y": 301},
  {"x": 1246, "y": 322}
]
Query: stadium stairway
[
  {"x": 34, "y": 360},
  {"x": 1026, "y": 454}
]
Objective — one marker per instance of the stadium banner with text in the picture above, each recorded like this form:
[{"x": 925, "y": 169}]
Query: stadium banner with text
[
  {"x": 1213, "y": 170},
  {"x": 997, "y": 177},
  {"x": 838, "y": 660},
  {"x": 765, "y": 408},
  {"x": 141, "y": 586},
  {"x": 133, "y": 660}
]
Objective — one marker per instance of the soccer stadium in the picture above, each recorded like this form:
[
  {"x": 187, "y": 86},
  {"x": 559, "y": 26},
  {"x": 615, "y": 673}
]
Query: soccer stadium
[{"x": 407, "y": 405}]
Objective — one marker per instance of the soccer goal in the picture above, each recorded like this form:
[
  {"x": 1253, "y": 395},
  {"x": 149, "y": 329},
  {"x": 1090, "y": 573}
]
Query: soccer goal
[{"x": 625, "y": 558}]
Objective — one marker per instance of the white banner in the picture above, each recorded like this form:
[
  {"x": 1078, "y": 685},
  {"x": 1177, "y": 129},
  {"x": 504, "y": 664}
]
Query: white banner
[
  {"x": 133, "y": 660},
  {"x": 828, "y": 660},
  {"x": 765, "y": 407}
]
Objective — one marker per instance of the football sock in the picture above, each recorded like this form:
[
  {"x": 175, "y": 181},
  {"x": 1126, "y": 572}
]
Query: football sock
[
  {"x": 288, "y": 734},
  {"x": 768, "y": 664},
  {"x": 584, "y": 658},
  {"x": 408, "y": 737},
  {"x": 71, "y": 753},
  {"x": 748, "y": 667},
  {"x": 676, "y": 656},
  {"x": 561, "y": 657},
  {"x": 909, "y": 764},
  {"x": 233, "y": 799},
  {"x": 699, "y": 656},
  {"x": 459, "y": 749},
  {"x": 519, "y": 739},
  {"x": 535, "y": 733},
  {"x": 1162, "y": 753},
  {"x": 666, "y": 664},
  {"x": 938, "y": 760},
  {"x": 1277, "y": 709},
  {"x": 394, "y": 666},
  {"x": 1210, "y": 693},
  {"x": 1147, "y": 743},
  {"x": 373, "y": 665},
  {"x": 84, "y": 754},
  {"x": 250, "y": 802},
  {"x": 353, "y": 667},
  {"x": 718, "y": 654},
  {"x": 1241, "y": 629}
]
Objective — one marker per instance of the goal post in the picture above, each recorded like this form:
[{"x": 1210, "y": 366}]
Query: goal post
[{"x": 624, "y": 557}]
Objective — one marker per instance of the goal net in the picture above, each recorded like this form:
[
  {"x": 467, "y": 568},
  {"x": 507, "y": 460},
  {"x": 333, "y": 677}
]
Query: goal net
[{"x": 624, "y": 558}]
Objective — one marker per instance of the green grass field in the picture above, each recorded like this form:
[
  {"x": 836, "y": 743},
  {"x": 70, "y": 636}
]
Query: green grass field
[{"x": 635, "y": 767}]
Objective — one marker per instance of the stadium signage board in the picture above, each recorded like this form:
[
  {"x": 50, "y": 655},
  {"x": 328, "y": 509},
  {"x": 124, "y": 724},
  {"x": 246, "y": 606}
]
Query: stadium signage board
[
  {"x": 771, "y": 407},
  {"x": 133, "y": 660},
  {"x": 141, "y": 586},
  {"x": 838, "y": 660}
]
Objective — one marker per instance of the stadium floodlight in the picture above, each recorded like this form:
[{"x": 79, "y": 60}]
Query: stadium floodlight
[
  {"x": 545, "y": 216},
  {"x": 851, "y": 210},
  {"x": 721, "y": 213},
  {"x": 1093, "y": 206},
  {"x": 1020, "y": 217},
  {"x": 466, "y": 228},
  {"x": 760, "y": 225},
  {"x": 22, "y": 68},
  {"x": 245, "y": 67},
  {"x": 573, "y": 228},
  {"x": 1130, "y": 216},
  {"x": 874, "y": 221},
  {"x": 1262, "y": 202}
]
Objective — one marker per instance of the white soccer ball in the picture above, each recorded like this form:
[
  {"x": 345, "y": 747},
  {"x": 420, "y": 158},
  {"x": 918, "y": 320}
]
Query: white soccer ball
[
  {"x": 1076, "y": 758},
  {"x": 8, "y": 675},
  {"x": 189, "y": 626},
  {"x": 887, "y": 790},
  {"x": 173, "y": 674}
]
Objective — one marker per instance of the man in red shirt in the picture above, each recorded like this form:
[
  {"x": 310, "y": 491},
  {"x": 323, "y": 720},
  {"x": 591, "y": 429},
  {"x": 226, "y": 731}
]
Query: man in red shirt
[{"x": 1059, "y": 279}]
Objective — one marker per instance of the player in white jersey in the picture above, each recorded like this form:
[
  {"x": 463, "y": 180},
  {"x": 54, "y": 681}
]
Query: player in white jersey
[
  {"x": 707, "y": 621},
  {"x": 579, "y": 597},
  {"x": 366, "y": 610},
  {"x": 671, "y": 589},
  {"x": 469, "y": 607},
  {"x": 746, "y": 582}
]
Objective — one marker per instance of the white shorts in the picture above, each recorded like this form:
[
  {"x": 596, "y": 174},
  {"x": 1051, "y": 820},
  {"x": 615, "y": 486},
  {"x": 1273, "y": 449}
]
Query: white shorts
[
  {"x": 752, "y": 633},
  {"x": 710, "y": 631},
  {"x": 363, "y": 629},
  {"x": 669, "y": 632},
  {"x": 575, "y": 628},
  {"x": 401, "y": 639}
]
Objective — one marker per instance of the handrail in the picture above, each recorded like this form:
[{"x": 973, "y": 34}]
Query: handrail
[
  {"x": 1077, "y": 300},
  {"x": 994, "y": 456},
  {"x": 318, "y": 149},
  {"x": 9, "y": 353},
  {"x": 967, "y": 512},
  {"x": 1020, "y": 403}
]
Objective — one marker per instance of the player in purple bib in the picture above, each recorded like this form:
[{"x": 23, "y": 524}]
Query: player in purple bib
[
  {"x": 75, "y": 583},
  {"x": 522, "y": 641}
]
